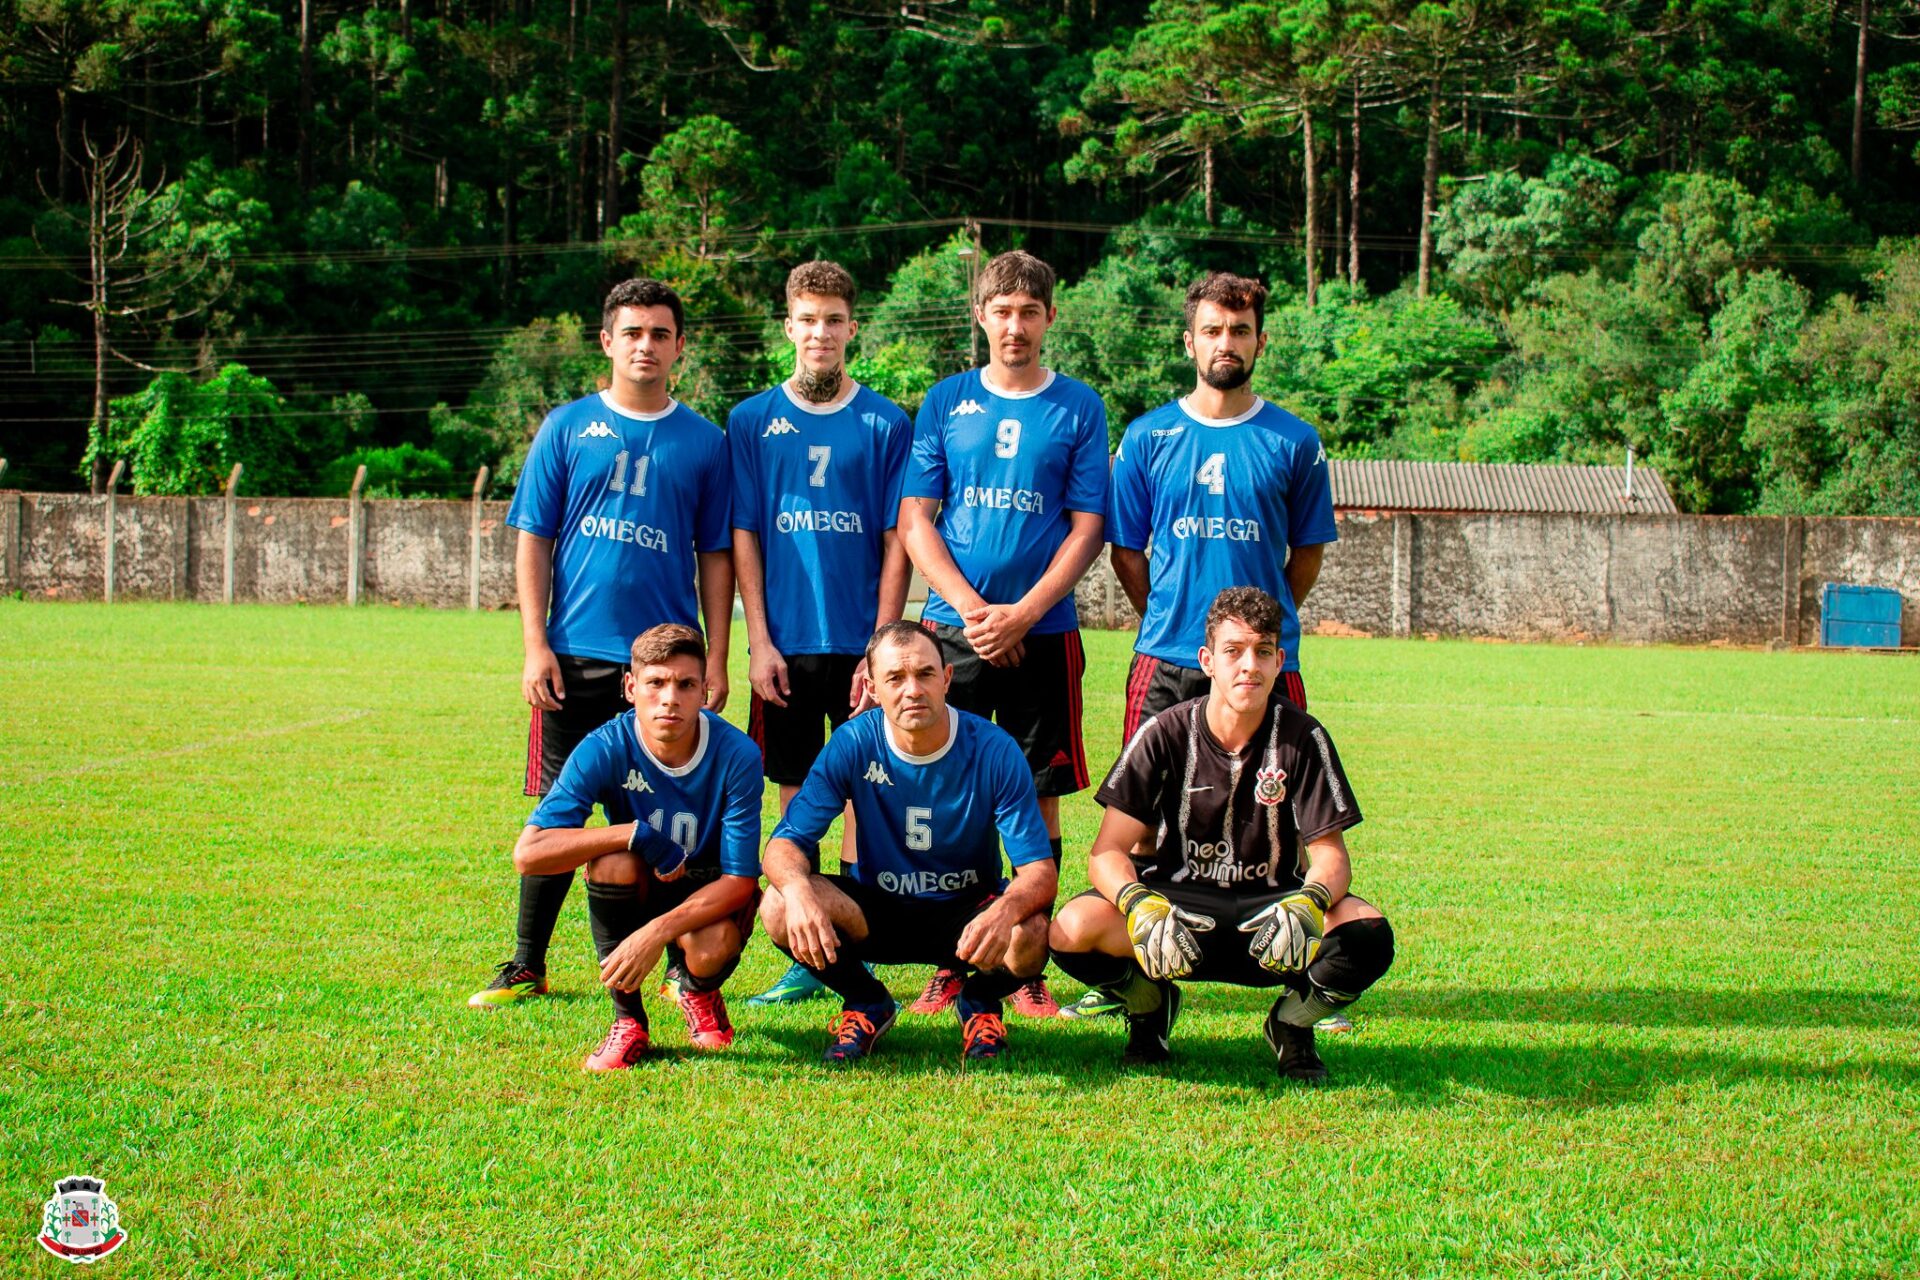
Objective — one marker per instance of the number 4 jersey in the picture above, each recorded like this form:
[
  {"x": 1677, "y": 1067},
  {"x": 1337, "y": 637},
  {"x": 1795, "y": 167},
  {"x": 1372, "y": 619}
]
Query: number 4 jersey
[
  {"x": 627, "y": 499},
  {"x": 1220, "y": 501},
  {"x": 709, "y": 806},
  {"x": 930, "y": 826}
]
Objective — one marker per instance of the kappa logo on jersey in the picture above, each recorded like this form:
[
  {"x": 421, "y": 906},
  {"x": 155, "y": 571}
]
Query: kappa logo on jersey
[
  {"x": 1321, "y": 459},
  {"x": 965, "y": 407},
  {"x": 598, "y": 431},
  {"x": 1158, "y": 432},
  {"x": 635, "y": 782},
  {"x": 1270, "y": 786},
  {"x": 780, "y": 427},
  {"x": 877, "y": 775}
]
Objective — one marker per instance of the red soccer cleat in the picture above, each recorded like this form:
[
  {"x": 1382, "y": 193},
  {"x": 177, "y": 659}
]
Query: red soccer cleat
[
  {"x": 707, "y": 1024},
  {"x": 1033, "y": 1000},
  {"x": 626, "y": 1044},
  {"x": 940, "y": 992}
]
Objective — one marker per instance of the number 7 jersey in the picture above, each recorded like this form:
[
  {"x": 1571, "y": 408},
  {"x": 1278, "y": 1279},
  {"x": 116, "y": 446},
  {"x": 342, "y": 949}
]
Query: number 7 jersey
[{"x": 627, "y": 499}]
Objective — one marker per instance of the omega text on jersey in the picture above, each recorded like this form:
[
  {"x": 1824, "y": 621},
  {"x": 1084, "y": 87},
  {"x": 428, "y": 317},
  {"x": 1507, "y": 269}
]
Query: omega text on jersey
[
  {"x": 640, "y": 535},
  {"x": 1027, "y": 500},
  {"x": 1226, "y": 528}
]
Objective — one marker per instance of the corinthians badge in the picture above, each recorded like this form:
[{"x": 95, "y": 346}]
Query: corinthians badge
[
  {"x": 80, "y": 1224},
  {"x": 1270, "y": 786}
]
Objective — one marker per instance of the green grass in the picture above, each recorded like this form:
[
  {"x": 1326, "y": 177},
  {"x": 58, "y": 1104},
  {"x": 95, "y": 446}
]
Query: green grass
[{"x": 1653, "y": 1013}]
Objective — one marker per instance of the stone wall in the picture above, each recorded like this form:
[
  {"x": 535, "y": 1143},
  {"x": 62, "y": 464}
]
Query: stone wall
[{"x": 1639, "y": 579}]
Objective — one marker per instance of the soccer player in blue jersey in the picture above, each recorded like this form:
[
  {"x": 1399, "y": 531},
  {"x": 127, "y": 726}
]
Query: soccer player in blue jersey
[
  {"x": 1002, "y": 512},
  {"x": 938, "y": 793},
  {"x": 1228, "y": 490},
  {"x": 678, "y": 863},
  {"x": 817, "y": 463},
  {"x": 623, "y": 513}
]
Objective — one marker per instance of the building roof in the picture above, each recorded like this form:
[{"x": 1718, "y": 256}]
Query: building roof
[{"x": 1371, "y": 485}]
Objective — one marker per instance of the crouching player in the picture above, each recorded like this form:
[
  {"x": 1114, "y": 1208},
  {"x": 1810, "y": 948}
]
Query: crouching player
[
  {"x": 677, "y": 869},
  {"x": 936, "y": 792},
  {"x": 1221, "y": 793}
]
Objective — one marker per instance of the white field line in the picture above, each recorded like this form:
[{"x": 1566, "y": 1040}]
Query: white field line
[{"x": 191, "y": 748}]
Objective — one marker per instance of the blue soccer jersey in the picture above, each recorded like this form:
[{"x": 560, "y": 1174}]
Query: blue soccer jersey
[
  {"x": 709, "y": 806},
  {"x": 819, "y": 487},
  {"x": 627, "y": 500},
  {"x": 1219, "y": 501},
  {"x": 1008, "y": 467},
  {"x": 930, "y": 826}
]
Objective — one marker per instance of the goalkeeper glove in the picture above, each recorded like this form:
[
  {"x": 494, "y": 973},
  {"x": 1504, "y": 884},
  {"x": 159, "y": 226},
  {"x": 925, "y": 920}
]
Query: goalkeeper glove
[
  {"x": 1162, "y": 933},
  {"x": 1286, "y": 935}
]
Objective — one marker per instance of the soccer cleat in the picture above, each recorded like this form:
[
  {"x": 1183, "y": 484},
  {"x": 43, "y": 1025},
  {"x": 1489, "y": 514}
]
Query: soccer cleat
[
  {"x": 1095, "y": 1004},
  {"x": 795, "y": 985},
  {"x": 1334, "y": 1024},
  {"x": 983, "y": 1038},
  {"x": 941, "y": 991},
  {"x": 626, "y": 1044},
  {"x": 1150, "y": 1035},
  {"x": 512, "y": 982},
  {"x": 855, "y": 1031},
  {"x": 708, "y": 1026},
  {"x": 1293, "y": 1051},
  {"x": 1033, "y": 1000}
]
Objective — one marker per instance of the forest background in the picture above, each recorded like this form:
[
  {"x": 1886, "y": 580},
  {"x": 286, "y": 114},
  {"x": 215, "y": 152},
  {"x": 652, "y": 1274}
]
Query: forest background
[{"x": 307, "y": 235}]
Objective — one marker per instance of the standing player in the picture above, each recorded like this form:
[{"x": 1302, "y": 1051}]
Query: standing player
[
  {"x": 622, "y": 509},
  {"x": 678, "y": 863},
  {"x": 938, "y": 792},
  {"x": 817, "y": 463},
  {"x": 1227, "y": 489},
  {"x": 1197, "y": 868},
  {"x": 1013, "y": 459}
]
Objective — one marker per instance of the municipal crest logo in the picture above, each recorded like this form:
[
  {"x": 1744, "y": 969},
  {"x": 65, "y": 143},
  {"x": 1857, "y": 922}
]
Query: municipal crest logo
[
  {"x": 597, "y": 431},
  {"x": 1270, "y": 786},
  {"x": 966, "y": 407},
  {"x": 80, "y": 1224},
  {"x": 779, "y": 427}
]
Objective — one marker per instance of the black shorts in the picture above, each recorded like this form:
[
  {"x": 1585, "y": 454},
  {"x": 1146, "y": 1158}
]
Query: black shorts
[
  {"x": 790, "y": 737},
  {"x": 903, "y": 930},
  {"x": 1153, "y": 686},
  {"x": 594, "y": 696},
  {"x": 1223, "y": 949},
  {"x": 1038, "y": 702},
  {"x": 661, "y": 896}
]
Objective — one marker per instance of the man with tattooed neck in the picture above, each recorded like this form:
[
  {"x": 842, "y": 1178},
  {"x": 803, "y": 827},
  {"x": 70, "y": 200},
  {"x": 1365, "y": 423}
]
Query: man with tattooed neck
[{"x": 817, "y": 465}]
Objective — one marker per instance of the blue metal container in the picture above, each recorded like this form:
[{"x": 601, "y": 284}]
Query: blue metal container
[{"x": 1859, "y": 617}]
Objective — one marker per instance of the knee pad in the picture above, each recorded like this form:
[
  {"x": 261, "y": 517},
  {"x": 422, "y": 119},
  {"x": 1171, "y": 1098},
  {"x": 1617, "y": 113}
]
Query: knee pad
[{"x": 1352, "y": 958}]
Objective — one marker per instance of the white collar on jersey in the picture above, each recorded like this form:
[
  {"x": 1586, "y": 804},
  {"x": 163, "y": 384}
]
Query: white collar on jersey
[
  {"x": 1236, "y": 420},
  {"x": 992, "y": 389},
  {"x": 953, "y": 735},
  {"x": 838, "y": 403},
  {"x": 674, "y": 771},
  {"x": 672, "y": 404}
]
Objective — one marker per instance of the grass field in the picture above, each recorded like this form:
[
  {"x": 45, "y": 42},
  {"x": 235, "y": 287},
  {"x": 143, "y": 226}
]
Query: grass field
[{"x": 1654, "y": 1012}]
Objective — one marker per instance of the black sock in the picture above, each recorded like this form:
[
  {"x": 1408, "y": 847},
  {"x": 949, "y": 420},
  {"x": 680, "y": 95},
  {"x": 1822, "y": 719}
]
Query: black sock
[
  {"x": 1059, "y": 847},
  {"x": 847, "y": 978},
  {"x": 983, "y": 992},
  {"x": 694, "y": 982},
  {"x": 1122, "y": 979},
  {"x": 540, "y": 900},
  {"x": 615, "y": 911}
]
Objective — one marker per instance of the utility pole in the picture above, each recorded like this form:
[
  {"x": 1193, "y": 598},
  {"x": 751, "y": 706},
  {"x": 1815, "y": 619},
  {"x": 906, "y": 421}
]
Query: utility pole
[{"x": 971, "y": 256}]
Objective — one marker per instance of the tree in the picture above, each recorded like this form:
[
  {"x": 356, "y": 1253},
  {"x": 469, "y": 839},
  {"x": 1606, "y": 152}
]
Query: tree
[
  {"x": 699, "y": 193},
  {"x": 183, "y": 437},
  {"x": 1502, "y": 236},
  {"x": 135, "y": 272}
]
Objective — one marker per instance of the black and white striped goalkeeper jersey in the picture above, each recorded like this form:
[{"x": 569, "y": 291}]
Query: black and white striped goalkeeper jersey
[{"x": 1232, "y": 820}]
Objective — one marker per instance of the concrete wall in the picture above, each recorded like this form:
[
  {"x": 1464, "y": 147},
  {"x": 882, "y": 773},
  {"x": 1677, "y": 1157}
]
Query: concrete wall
[{"x": 1664, "y": 579}]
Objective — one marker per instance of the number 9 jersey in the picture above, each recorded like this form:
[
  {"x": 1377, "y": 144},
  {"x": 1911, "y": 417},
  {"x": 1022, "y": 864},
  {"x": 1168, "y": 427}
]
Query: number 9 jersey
[
  {"x": 932, "y": 826},
  {"x": 627, "y": 499}
]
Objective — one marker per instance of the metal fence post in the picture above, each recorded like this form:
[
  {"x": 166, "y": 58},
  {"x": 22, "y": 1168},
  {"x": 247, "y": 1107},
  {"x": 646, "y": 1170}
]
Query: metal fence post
[
  {"x": 473, "y": 558},
  {"x": 113, "y": 482},
  {"x": 356, "y": 522},
  {"x": 226, "y": 579}
]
